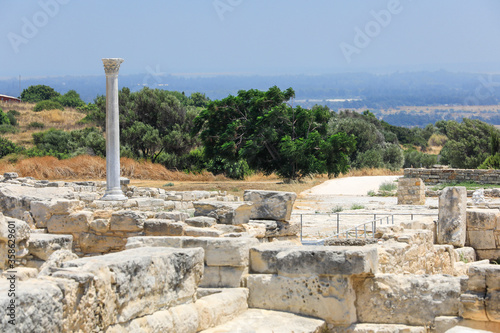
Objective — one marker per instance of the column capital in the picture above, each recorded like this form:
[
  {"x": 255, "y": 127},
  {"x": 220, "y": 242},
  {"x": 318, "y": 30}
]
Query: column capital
[{"x": 112, "y": 65}]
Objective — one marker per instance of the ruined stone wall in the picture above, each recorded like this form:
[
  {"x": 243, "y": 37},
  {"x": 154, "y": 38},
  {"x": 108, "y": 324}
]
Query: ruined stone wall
[
  {"x": 439, "y": 176},
  {"x": 411, "y": 191},
  {"x": 483, "y": 232}
]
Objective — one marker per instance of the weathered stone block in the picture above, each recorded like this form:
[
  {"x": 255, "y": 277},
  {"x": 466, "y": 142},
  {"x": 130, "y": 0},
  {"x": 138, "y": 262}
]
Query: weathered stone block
[
  {"x": 202, "y": 232},
  {"x": 39, "y": 306},
  {"x": 270, "y": 205},
  {"x": 158, "y": 241},
  {"x": 99, "y": 225},
  {"x": 176, "y": 216},
  {"x": 451, "y": 227},
  {"x": 201, "y": 221},
  {"x": 223, "y": 251},
  {"x": 223, "y": 277},
  {"x": 482, "y": 219},
  {"x": 73, "y": 223},
  {"x": 219, "y": 308},
  {"x": 407, "y": 299},
  {"x": 224, "y": 212},
  {"x": 43, "y": 245},
  {"x": 92, "y": 243},
  {"x": 125, "y": 285},
  {"x": 313, "y": 260},
  {"x": 481, "y": 239},
  {"x": 473, "y": 307},
  {"x": 278, "y": 228},
  {"x": 411, "y": 191},
  {"x": 160, "y": 227},
  {"x": 330, "y": 298},
  {"x": 127, "y": 220}
]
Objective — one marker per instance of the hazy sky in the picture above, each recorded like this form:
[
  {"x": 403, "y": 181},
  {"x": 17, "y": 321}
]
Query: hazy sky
[{"x": 69, "y": 37}]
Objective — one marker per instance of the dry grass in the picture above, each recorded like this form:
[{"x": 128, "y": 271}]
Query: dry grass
[
  {"x": 372, "y": 172},
  {"x": 64, "y": 120}
]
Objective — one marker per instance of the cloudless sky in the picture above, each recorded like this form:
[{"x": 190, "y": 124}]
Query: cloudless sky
[{"x": 247, "y": 36}]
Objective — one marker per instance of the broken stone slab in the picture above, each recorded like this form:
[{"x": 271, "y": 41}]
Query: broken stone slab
[
  {"x": 451, "y": 226},
  {"x": 223, "y": 277},
  {"x": 218, "y": 251},
  {"x": 38, "y": 308},
  {"x": 278, "y": 228},
  {"x": 483, "y": 219},
  {"x": 43, "y": 246},
  {"x": 233, "y": 213},
  {"x": 407, "y": 299},
  {"x": 130, "y": 284},
  {"x": 127, "y": 220},
  {"x": 161, "y": 227},
  {"x": 55, "y": 261},
  {"x": 202, "y": 232},
  {"x": 201, "y": 221},
  {"x": 221, "y": 307},
  {"x": 42, "y": 211},
  {"x": 16, "y": 199},
  {"x": 275, "y": 321},
  {"x": 92, "y": 243},
  {"x": 270, "y": 205},
  {"x": 176, "y": 216},
  {"x": 313, "y": 260},
  {"x": 68, "y": 224},
  {"x": 330, "y": 298}
]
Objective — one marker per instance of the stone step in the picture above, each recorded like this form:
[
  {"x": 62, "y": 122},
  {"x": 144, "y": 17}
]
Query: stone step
[
  {"x": 380, "y": 328},
  {"x": 267, "y": 321}
]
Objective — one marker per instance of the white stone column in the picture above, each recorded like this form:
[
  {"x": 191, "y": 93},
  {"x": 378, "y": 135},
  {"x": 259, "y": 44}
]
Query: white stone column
[{"x": 113, "y": 188}]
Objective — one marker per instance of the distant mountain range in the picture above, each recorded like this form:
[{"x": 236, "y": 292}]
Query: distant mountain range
[{"x": 338, "y": 91}]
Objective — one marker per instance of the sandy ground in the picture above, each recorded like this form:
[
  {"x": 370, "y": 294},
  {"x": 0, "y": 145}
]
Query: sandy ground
[
  {"x": 317, "y": 207},
  {"x": 358, "y": 186}
]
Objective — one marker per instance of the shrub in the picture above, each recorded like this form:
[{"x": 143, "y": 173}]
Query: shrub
[
  {"x": 4, "y": 119},
  {"x": 70, "y": 99},
  {"x": 8, "y": 147},
  {"x": 492, "y": 162},
  {"x": 416, "y": 159},
  {"x": 36, "y": 124},
  {"x": 357, "y": 206},
  {"x": 388, "y": 186},
  {"x": 35, "y": 94},
  {"x": 437, "y": 139},
  {"x": 11, "y": 114},
  {"x": 7, "y": 128},
  {"x": 47, "y": 105}
]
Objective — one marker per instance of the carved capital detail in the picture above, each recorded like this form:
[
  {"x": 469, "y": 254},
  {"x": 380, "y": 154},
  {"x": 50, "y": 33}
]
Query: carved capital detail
[{"x": 112, "y": 65}]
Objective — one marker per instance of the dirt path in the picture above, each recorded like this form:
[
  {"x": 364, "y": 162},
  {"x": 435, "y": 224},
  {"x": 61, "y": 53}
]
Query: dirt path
[{"x": 358, "y": 186}]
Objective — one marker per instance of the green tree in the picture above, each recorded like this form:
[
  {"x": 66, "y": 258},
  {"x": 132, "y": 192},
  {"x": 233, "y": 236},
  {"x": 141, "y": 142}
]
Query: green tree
[
  {"x": 259, "y": 127},
  {"x": 70, "y": 99},
  {"x": 35, "y": 94},
  {"x": 469, "y": 143},
  {"x": 48, "y": 105}
]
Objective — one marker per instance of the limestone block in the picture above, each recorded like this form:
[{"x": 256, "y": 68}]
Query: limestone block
[
  {"x": 127, "y": 220},
  {"x": 465, "y": 254},
  {"x": 258, "y": 320},
  {"x": 202, "y": 232},
  {"x": 482, "y": 219},
  {"x": 185, "y": 318},
  {"x": 223, "y": 251},
  {"x": 158, "y": 241},
  {"x": 150, "y": 202},
  {"x": 103, "y": 214},
  {"x": 330, "y": 298},
  {"x": 201, "y": 221},
  {"x": 451, "y": 227},
  {"x": 378, "y": 328},
  {"x": 488, "y": 254},
  {"x": 92, "y": 243},
  {"x": 228, "y": 229},
  {"x": 473, "y": 306},
  {"x": 40, "y": 210},
  {"x": 14, "y": 240},
  {"x": 225, "y": 212},
  {"x": 492, "y": 304},
  {"x": 411, "y": 191},
  {"x": 176, "y": 216},
  {"x": 407, "y": 299},
  {"x": 223, "y": 277},
  {"x": 270, "y": 205},
  {"x": 73, "y": 223},
  {"x": 38, "y": 303},
  {"x": 55, "y": 260},
  {"x": 99, "y": 225},
  {"x": 21, "y": 273},
  {"x": 313, "y": 260},
  {"x": 137, "y": 282},
  {"x": 481, "y": 239},
  {"x": 160, "y": 227},
  {"x": 43, "y": 245},
  {"x": 219, "y": 308},
  {"x": 255, "y": 230},
  {"x": 160, "y": 321},
  {"x": 278, "y": 228}
]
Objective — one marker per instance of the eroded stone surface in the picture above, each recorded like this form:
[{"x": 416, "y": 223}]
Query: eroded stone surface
[
  {"x": 233, "y": 213},
  {"x": 270, "y": 205},
  {"x": 451, "y": 227}
]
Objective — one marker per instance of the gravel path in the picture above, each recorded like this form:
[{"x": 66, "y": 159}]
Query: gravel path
[{"x": 349, "y": 185}]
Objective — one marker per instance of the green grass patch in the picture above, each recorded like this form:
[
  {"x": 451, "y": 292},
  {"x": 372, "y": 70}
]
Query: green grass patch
[
  {"x": 357, "y": 206},
  {"x": 337, "y": 209},
  {"x": 388, "y": 186}
]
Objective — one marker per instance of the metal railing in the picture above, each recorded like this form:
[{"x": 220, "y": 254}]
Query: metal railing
[{"x": 360, "y": 229}]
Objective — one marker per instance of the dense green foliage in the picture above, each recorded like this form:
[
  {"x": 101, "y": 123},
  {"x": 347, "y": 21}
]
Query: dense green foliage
[
  {"x": 47, "y": 105},
  {"x": 8, "y": 147},
  {"x": 70, "y": 99},
  {"x": 35, "y": 94},
  {"x": 260, "y": 129},
  {"x": 469, "y": 143}
]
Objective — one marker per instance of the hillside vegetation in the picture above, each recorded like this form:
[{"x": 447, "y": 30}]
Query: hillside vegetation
[{"x": 169, "y": 135}]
